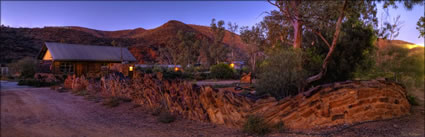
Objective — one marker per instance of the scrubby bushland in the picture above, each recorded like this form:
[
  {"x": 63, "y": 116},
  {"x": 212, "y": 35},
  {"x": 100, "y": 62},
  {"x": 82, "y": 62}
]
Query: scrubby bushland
[
  {"x": 284, "y": 71},
  {"x": 353, "y": 52},
  {"x": 24, "y": 68},
  {"x": 400, "y": 64},
  {"x": 412, "y": 100},
  {"x": 281, "y": 74},
  {"x": 255, "y": 125},
  {"x": 222, "y": 71}
]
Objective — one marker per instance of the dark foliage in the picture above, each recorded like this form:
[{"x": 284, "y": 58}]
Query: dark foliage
[
  {"x": 255, "y": 125},
  {"x": 222, "y": 71},
  {"x": 354, "y": 51}
]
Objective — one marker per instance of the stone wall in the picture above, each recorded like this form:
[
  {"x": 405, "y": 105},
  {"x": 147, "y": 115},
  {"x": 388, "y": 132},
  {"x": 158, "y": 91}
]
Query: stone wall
[
  {"x": 340, "y": 103},
  {"x": 327, "y": 105}
]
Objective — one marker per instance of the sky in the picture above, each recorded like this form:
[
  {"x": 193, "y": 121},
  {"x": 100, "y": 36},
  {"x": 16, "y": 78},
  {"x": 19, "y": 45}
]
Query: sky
[{"x": 116, "y": 15}]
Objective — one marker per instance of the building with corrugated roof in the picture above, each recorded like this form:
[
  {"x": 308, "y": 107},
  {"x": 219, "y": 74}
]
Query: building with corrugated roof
[{"x": 87, "y": 60}]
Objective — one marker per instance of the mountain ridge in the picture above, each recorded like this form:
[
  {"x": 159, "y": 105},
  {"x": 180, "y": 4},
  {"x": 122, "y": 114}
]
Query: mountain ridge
[{"x": 143, "y": 43}]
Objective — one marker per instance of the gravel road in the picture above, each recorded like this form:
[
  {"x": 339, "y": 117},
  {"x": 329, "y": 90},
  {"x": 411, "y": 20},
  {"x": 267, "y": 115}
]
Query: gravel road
[{"x": 41, "y": 112}]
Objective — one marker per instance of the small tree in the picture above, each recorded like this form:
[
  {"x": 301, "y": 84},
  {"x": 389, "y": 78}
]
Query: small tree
[
  {"x": 281, "y": 74},
  {"x": 254, "y": 38},
  {"x": 222, "y": 71},
  {"x": 232, "y": 28},
  {"x": 24, "y": 68},
  {"x": 217, "y": 50}
]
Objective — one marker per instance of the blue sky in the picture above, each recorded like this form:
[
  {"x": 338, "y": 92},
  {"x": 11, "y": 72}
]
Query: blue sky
[{"x": 115, "y": 15}]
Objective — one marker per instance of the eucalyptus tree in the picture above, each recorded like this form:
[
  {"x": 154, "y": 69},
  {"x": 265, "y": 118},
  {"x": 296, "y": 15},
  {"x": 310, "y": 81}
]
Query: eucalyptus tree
[
  {"x": 232, "y": 28},
  {"x": 318, "y": 17},
  {"x": 184, "y": 50},
  {"x": 217, "y": 50},
  {"x": 188, "y": 48},
  {"x": 254, "y": 37}
]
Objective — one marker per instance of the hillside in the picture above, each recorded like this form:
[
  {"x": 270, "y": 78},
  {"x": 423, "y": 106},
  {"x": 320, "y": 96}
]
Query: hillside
[{"x": 17, "y": 43}]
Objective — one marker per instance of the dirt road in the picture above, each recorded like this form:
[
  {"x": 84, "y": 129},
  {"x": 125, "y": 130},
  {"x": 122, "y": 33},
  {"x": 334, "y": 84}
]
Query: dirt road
[{"x": 41, "y": 112}]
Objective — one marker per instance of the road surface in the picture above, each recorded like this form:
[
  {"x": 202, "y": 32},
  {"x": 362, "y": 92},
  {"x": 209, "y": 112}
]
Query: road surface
[{"x": 41, "y": 112}]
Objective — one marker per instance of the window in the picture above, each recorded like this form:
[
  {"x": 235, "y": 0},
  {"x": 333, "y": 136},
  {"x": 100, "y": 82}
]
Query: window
[{"x": 66, "y": 67}]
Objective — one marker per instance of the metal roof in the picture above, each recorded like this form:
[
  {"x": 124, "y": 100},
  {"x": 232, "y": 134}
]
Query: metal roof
[{"x": 76, "y": 52}]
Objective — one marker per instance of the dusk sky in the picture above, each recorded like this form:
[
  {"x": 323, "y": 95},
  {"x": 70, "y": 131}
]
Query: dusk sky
[{"x": 114, "y": 15}]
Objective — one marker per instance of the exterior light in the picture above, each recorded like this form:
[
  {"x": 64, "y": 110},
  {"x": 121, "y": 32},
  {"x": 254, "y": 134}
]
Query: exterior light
[
  {"x": 176, "y": 69},
  {"x": 130, "y": 68},
  {"x": 232, "y": 65}
]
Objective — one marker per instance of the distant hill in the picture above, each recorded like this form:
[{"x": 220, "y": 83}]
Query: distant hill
[
  {"x": 17, "y": 43},
  {"x": 381, "y": 43},
  {"x": 413, "y": 48}
]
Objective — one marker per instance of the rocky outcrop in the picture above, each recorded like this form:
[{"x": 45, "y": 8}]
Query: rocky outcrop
[
  {"x": 339, "y": 103},
  {"x": 328, "y": 105}
]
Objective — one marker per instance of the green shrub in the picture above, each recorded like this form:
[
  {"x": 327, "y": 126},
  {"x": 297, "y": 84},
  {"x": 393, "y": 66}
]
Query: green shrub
[
  {"x": 166, "y": 117},
  {"x": 412, "y": 100},
  {"x": 24, "y": 68},
  {"x": 400, "y": 64},
  {"x": 281, "y": 74},
  {"x": 255, "y": 125},
  {"x": 222, "y": 71}
]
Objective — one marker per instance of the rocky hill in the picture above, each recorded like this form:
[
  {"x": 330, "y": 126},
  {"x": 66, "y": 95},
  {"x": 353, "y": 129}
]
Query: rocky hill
[{"x": 17, "y": 43}]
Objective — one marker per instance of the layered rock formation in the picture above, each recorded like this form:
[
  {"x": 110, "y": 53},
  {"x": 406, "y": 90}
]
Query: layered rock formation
[{"x": 328, "y": 105}]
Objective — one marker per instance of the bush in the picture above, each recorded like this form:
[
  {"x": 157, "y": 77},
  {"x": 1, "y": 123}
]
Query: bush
[
  {"x": 255, "y": 125},
  {"x": 111, "y": 102},
  {"x": 412, "y": 100},
  {"x": 353, "y": 52},
  {"x": 24, "y": 68},
  {"x": 222, "y": 71},
  {"x": 400, "y": 64},
  {"x": 166, "y": 117},
  {"x": 281, "y": 74}
]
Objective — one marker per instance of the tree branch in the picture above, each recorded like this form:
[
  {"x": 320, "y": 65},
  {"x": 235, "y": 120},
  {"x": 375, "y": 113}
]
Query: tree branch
[
  {"x": 274, "y": 4},
  {"x": 323, "y": 38},
  {"x": 332, "y": 48}
]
